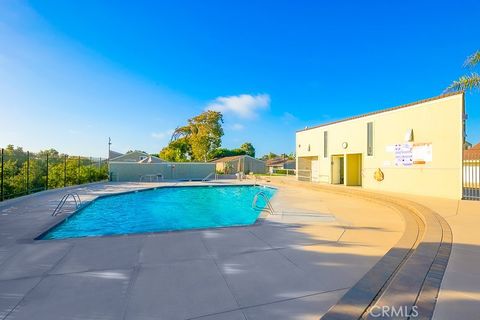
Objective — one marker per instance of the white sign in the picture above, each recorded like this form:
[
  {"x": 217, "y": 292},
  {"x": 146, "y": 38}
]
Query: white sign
[
  {"x": 403, "y": 154},
  {"x": 422, "y": 153},
  {"x": 408, "y": 154}
]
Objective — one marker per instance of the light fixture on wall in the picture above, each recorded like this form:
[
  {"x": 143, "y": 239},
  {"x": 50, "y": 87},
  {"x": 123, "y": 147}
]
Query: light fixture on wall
[
  {"x": 378, "y": 175},
  {"x": 345, "y": 145},
  {"x": 409, "y": 135}
]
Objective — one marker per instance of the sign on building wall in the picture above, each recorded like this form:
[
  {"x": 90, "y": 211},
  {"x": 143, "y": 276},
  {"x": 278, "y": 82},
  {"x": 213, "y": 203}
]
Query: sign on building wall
[
  {"x": 422, "y": 153},
  {"x": 408, "y": 154},
  {"x": 403, "y": 154}
]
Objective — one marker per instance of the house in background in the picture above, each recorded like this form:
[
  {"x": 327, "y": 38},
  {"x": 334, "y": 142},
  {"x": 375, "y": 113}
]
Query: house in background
[
  {"x": 242, "y": 163},
  {"x": 135, "y": 156},
  {"x": 280, "y": 163},
  {"x": 114, "y": 154},
  {"x": 142, "y": 167},
  {"x": 472, "y": 153},
  {"x": 151, "y": 159}
]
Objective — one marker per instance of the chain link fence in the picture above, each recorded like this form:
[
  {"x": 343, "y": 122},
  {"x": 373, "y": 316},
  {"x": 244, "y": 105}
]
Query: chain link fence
[{"x": 24, "y": 172}]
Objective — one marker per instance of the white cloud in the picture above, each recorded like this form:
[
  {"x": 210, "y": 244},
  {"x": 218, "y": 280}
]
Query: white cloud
[
  {"x": 288, "y": 118},
  {"x": 237, "y": 126},
  {"x": 162, "y": 135},
  {"x": 244, "y": 105}
]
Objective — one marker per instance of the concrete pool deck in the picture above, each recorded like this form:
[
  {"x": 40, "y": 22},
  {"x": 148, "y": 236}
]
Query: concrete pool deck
[
  {"x": 459, "y": 294},
  {"x": 291, "y": 266}
]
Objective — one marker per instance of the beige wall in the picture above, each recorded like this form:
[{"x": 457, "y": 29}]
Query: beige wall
[
  {"x": 245, "y": 165},
  {"x": 439, "y": 122},
  {"x": 183, "y": 170}
]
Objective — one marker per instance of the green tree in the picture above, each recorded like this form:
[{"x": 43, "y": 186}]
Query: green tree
[
  {"x": 11, "y": 184},
  {"x": 27, "y": 172},
  {"x": 198, "y": 140},
  {"x": 52, "y": 153},
  {"x": 177, "y": 151},
  {"x": 470, "y": 81},
  {"x": 248, "y": 148},
  {"x": 206, "y": 134},
  {"x": 136, "y": 150},
  {"x": 224, "y": 152},
  {"x": 269, "y": 156},
  {"x": 55, "y": 175}
]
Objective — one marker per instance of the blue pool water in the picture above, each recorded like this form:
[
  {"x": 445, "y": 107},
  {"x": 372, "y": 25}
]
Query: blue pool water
[{"x": 163, "y": 209}]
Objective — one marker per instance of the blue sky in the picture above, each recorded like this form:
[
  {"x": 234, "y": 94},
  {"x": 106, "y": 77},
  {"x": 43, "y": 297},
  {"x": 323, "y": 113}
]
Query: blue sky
[{"x": 71, "y": 75}]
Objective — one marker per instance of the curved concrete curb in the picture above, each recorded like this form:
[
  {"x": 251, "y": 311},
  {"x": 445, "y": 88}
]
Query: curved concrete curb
[
  {"x": 413, "y": 288},
  {"x": 428, "y": 294},
  {"x": 409, "y": 276}
]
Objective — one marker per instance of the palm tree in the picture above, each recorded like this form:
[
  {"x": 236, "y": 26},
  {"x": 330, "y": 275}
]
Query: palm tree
[{"x": 467, "y": 82}]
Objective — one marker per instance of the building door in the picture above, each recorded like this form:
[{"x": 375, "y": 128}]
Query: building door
[
  {"x": 338, "y": 169},
  {"x": 354, "y": 169},
  {"x": 342, "y": 170}
]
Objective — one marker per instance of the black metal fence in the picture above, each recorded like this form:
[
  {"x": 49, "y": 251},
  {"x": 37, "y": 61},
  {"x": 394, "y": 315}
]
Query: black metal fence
[
  {"x": 471, "y": 179},
  {"x": 24, "y": 172}
]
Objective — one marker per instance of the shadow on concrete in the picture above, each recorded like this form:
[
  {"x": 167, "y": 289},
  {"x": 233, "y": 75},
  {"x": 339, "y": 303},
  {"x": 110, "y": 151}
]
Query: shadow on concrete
[
  {"x": 180, "y": 275},
  {"x": 269, "y": 271}
]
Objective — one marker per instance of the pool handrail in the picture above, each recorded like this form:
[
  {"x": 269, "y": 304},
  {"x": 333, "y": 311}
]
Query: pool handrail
[
  {"x": 76, "y": 198},
  {"x": 209, "y": 175},
  {"x": 268, "y": 205}
]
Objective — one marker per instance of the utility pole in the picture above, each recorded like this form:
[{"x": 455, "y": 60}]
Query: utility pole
[
  {"x": 108, "y": 158},
  {"x": 109, "y": 144}
]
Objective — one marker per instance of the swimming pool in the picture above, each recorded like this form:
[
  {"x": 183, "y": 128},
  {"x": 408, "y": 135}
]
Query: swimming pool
[{"x": 163, "y": 209}]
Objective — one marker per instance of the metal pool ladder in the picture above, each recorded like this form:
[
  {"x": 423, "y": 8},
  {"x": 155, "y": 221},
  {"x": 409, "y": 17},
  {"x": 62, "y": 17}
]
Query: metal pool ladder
[
  {"x": 76, "y": 199},
  {"x": 210, "y": 175},
  {"x": 268, "y": 206}
]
